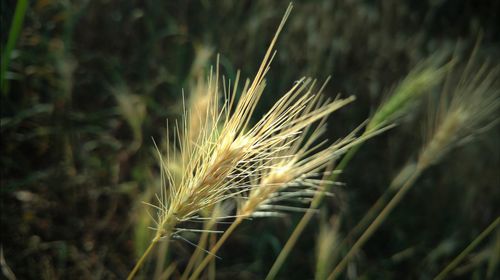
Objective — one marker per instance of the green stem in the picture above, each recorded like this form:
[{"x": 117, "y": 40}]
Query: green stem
[
  {"x": 142, "y": 259},
  {"x": 15, "y": 30},
  {"x": 375, "y": 224},
  {"x": 292, "y": 240},
  {"x": 160, "y": 263},
  {"x": 215, "y": 248},
  {"x": 377, "y": 206},
  {"x": 347, "y": 158},
  {"x": 468, "y": 249},
  {"x": 167, "y": 225}
]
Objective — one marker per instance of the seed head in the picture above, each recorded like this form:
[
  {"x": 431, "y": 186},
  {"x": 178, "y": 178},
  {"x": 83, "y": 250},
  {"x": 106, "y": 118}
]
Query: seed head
[{"x": 464, "y": 110}]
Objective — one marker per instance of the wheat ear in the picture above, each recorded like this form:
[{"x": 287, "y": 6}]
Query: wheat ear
[{"x": 458, "y": 117}]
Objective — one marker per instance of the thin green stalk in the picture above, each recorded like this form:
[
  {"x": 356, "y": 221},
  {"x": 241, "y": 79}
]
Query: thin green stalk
[
  {"x": 290, "y": 243},
  {"x": 215, "y": 248},
  {"x": 15, "y": 30},
  {"x": 468, "y": 249},
  {"x": 317, "y": 199},
  {"x": 160, "y": 263},
  {"x": 343, "y": 163},
  {"x": 364, "y": 222},
  {"x": 378, "y": 205},
  {"x": 142, "y": 259},
  {"x": 167, "y": 225},
  {"x": 370, "y": 214},
  {"x": 375, "y": 224}
]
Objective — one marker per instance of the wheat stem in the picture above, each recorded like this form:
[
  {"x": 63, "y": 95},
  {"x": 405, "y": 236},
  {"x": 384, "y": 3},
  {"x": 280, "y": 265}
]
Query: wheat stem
[
  {"x": 215, "y": 248},
  {"x": 160, "y": 263},
  {"x": 142, "y": 259},
  {"x": 165, "y": 229},
  {"x": 375, "y": 224},
  {"x": 376, "y": 207},
  {"x": 467, "y": 250},
  {"x": 168, "y": 271},
  {"x": 364, "y": 222}
]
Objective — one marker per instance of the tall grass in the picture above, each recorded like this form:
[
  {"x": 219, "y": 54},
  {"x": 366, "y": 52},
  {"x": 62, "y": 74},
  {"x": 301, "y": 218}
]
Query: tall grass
[
  {"x": 90, "y": 81},
  {"x": 221, "y": 156}
]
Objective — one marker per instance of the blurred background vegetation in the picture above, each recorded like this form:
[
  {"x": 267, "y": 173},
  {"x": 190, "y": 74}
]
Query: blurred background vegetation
[{"x": 90, "y": 82}]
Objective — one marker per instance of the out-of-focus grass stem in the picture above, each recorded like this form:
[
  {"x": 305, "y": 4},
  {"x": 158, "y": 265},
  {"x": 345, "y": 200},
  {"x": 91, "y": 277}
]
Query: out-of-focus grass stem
[
  {"x": 468, "y": 249},
  {"x": 15, "y": 30},
  {"x": 375, "y": 224}
]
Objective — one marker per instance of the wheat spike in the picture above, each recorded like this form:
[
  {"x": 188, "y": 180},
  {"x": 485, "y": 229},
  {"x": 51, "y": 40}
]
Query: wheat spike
[{"x": 463, "y": 111}]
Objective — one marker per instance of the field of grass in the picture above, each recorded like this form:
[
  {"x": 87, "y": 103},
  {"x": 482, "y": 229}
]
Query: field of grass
[{"x": 86, "y": 86}]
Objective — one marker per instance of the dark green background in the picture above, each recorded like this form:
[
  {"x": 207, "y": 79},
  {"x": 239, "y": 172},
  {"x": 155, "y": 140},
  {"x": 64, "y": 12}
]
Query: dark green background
[{"x": 73, "y": 165}]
